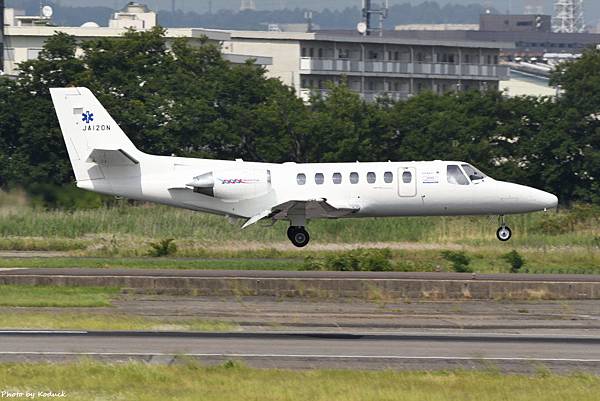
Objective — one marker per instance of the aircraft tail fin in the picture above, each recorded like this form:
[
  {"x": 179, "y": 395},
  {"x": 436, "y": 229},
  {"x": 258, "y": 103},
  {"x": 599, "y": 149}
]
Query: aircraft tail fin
[{"x": 90, "y": 133}]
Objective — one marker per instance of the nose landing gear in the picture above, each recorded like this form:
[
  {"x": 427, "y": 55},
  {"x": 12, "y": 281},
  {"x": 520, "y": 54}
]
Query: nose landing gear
[
  {"x": 298, "y": 235},
  {"x": 503, "y": 233}
]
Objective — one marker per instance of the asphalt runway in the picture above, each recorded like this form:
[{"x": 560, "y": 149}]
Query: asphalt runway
[
  {"x": 515, "y": 353},
  {"x": 284, "y": 274}
]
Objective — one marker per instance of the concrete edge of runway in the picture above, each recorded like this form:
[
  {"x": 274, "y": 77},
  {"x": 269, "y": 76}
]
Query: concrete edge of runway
[
  {"x": 360, "y": 362},
  {"x": 308, "y": 335}
]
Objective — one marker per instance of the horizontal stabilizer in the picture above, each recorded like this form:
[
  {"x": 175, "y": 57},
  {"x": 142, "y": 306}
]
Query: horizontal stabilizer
[{"x": 111, "y": 157}]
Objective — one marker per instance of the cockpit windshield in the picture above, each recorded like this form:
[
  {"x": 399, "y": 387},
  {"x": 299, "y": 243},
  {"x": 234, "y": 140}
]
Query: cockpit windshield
[{"x": 473, "y": 173}]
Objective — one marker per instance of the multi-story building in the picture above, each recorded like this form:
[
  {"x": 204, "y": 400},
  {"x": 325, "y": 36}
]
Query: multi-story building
[
  {"x": 25, "y": 35},
  {"x": 373, "y": 66}
]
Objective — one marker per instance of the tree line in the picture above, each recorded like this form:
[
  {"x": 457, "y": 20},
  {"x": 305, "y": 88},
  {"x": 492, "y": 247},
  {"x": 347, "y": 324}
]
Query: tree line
[{"x": 190, "y": 102}]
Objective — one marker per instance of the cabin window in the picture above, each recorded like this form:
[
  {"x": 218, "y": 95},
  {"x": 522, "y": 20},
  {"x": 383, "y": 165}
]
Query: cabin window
[
  {"x": 472, "y": 172},
  {"x": 406, "y": 177},
  {"x": 301, "y": 179},
  {"x": 388, "y": 177},
  {"x": 337, "y": 178},
  {"x": 456, "y": 176},
  {"x": 319, "y": 178},
  {"x": 371, "y": 177},
  {"x": 354, "y": 178}
]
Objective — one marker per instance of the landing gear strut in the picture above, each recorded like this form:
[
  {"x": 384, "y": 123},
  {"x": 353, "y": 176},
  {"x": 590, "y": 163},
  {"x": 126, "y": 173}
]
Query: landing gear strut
[
  {"x": 298, "y": 235},
  {"x": 503, "y": 233}
]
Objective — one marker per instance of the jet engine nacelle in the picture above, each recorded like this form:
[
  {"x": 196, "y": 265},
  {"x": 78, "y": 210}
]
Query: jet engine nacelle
[{"x": 233, "y": 185}]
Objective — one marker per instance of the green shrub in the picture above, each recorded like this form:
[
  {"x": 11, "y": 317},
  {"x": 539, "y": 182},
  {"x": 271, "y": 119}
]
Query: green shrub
[
  {"x": 515, "y": 260},
  {"x": 355, "y": 260},
  {"x": 459, "y": 260},
  {"x": 164, "y": 247}
]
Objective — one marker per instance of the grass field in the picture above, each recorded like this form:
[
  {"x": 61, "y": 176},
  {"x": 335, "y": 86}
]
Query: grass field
[
  {"x": 121, "y": 236},
  {"x": 50, "y": 296},
  {"x": 59, "y": 320},
  {"x": 88, "y": 380}
]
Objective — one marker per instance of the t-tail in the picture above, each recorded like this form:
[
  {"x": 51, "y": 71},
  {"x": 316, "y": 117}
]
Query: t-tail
[{"x": 100, "y": 152}]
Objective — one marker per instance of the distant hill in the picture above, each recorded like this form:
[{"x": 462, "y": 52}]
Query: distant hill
[{"x": 103, "y": 8}]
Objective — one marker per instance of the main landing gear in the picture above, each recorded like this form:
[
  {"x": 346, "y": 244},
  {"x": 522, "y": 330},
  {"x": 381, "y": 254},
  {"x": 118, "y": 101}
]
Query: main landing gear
[
  {"x": 298, "y": 235},
  {"x": 503, "y": 233}
]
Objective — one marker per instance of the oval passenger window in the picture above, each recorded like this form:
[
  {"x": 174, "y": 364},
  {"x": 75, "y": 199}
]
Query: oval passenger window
[
  {"x": 301, "y": 179},
  {"x": 406, "y": 177}
]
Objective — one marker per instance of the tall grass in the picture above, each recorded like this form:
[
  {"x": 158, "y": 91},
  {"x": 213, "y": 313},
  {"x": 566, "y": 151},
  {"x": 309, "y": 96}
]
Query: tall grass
[
  {"x": 232, "y": 382},
  {"x": 164, "y": 222}
]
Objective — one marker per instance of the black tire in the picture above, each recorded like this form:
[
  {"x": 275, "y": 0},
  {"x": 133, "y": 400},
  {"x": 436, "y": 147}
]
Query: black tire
[
  {"x": 504, "y": 233},
  {"x": 290, "y": 232},
  {"x": 300, "y": 237}
]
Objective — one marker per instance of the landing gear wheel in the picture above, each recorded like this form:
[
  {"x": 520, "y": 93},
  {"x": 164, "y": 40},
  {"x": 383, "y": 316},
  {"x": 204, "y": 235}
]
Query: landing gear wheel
[
  {"x": 290, "y": 232},
  {"x": 299, "y": 236},
  {"x": 504, "y": 233}
]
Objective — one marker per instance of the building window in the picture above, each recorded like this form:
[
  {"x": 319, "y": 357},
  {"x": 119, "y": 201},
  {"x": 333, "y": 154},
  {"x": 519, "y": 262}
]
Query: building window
[
  {"x": 371, "y": 177},
  {"x": 319, "y": 178},
  {"x": 343, "y": 53},
  {"x": 32, "y": 54},
  {"x": 388, "y": 177},
  {"x": 9, "y": 54},
  {"x": 311, "y": 52},
  {"x": 354, "y": 178},
  {"x": 304, "y": 52},
  {"x": 320, "y": 53},
  {"x": 337, "y": 178},
  {"x": 301, "y": 179}
]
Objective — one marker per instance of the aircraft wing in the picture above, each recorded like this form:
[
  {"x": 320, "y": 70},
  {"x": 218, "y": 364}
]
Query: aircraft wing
[{"x": 310, "y": 209}]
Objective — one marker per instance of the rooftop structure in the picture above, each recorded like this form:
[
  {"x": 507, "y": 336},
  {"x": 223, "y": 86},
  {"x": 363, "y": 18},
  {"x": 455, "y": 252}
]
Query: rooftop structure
[
  {"x": 133, "y": 15},
  {"x": 437, "y": 27},
  {"x": 515, "y": 23}
]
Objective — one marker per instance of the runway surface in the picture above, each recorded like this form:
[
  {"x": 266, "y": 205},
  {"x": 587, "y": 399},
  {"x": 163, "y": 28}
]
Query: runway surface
[
  {"x": 269, "y": 274},
  {"x": 313, "y": 349}
]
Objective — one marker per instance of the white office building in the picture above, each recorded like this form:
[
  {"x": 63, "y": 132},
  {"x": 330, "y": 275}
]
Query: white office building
[{"x": 373, "y": 66}]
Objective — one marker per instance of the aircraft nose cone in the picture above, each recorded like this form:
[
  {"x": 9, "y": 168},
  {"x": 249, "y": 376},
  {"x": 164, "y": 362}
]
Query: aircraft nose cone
[{"x": 546, "y": 200}]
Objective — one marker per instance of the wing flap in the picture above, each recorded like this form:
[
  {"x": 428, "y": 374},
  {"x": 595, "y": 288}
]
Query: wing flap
[{"x": 310, "y": 209}]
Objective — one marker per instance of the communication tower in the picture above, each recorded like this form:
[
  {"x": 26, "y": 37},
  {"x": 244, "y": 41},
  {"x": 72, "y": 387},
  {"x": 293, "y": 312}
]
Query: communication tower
[
  {"x": 568, "y": 16},
  {"x": 365, "y": 27}
]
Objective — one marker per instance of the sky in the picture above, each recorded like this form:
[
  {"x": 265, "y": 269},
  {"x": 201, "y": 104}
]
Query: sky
[{"x": 591, "y": 7}]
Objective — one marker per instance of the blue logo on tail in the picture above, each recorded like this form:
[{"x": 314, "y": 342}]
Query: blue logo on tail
[{"x": 87, "y": 117}]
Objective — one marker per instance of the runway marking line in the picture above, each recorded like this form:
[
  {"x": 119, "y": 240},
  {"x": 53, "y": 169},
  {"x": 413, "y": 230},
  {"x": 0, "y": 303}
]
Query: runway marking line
[{"x": 396, "y": 357}]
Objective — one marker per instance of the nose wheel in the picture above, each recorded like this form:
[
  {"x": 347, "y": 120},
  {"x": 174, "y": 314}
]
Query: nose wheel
[
  {"x": 503, "y": 233},
  {"x": 298, "y": 235}
]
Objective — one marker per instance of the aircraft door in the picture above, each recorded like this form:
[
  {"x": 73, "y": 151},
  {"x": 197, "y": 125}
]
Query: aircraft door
[{"x": 407, "y": 181}]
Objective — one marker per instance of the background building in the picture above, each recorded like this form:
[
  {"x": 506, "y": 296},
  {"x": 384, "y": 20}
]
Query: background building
[
  {"x": 371, "y": 65},
  {"x": 25, "y": 35}
]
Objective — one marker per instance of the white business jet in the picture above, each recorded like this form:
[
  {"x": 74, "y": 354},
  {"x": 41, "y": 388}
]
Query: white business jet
[{"x": 106, "y": 161}]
